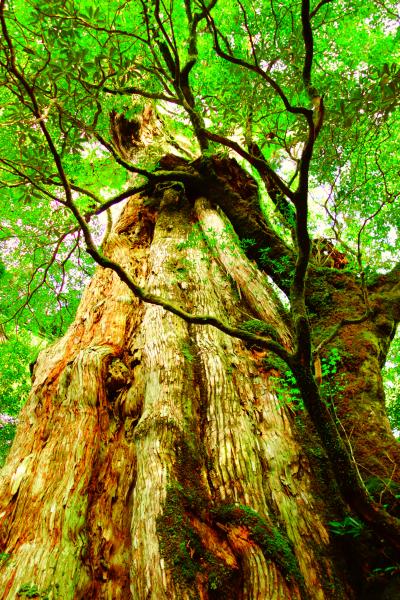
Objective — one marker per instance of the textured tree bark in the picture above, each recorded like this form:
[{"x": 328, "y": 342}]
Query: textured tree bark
[
  {"x": 356, "y": 390},
  {"x": 153, "y": 459}
]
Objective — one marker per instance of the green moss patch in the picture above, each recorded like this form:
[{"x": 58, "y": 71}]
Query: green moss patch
[
  {"x": 183, "y": 550},
  {"x": 275, "y": 545}
]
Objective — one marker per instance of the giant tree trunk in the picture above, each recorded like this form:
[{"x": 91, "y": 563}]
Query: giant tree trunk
[{"x": 153, "y": 459}]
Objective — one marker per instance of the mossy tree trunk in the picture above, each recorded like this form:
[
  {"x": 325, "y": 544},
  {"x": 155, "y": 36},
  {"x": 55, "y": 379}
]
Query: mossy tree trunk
[{"x": 161, "y": 460}]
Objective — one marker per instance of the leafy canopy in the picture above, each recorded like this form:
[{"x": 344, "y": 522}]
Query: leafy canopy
[{"x": 313, "y": 87}]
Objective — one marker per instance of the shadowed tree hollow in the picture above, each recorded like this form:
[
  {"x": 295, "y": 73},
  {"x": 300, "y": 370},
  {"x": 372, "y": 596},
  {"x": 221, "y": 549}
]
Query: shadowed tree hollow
[{"x": 212, "y": 422}]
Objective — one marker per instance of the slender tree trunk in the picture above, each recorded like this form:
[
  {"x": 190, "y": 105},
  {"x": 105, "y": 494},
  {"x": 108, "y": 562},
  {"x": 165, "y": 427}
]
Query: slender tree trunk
[{"x": 154, "y": 459}]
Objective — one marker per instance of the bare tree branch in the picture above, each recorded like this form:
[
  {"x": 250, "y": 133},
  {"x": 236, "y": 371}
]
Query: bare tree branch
[
  {"x": 260, "y": 164},
  {"x": 318, "y": 7}
]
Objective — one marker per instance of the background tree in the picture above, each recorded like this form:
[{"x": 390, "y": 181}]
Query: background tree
[{"x": 217, "y": 404}]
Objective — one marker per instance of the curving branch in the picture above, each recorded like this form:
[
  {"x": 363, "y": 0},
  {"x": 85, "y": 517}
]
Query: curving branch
[
  {"x": 25, "y": 178},
  {"x": 315, "y": 121},
  {"x": 109, "y": 30},
  {"x": 278, "y": 198},
  {"x": 133, "y": 91},
  {"x": 260, "y": 164},
  {"x": 308, "y": 43},
  {"x": 318, "y": 7},
  {"x": 338, "y": 327},
  {"x": 298, "y": 110},
  {"x": 170, "y": 306},
  {"x": 45, "y": 267}
]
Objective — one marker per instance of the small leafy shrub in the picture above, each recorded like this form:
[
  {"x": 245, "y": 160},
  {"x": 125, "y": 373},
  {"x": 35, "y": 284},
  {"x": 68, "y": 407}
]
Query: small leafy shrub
[
  {"x": 330, "y": 385},
  {"x": 287, "y": 392},
  {"x": 350, "y": 526}
]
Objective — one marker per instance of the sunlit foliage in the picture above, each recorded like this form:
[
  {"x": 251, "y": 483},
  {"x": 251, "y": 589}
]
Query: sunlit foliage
[{"x": 68, "y": 65}]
